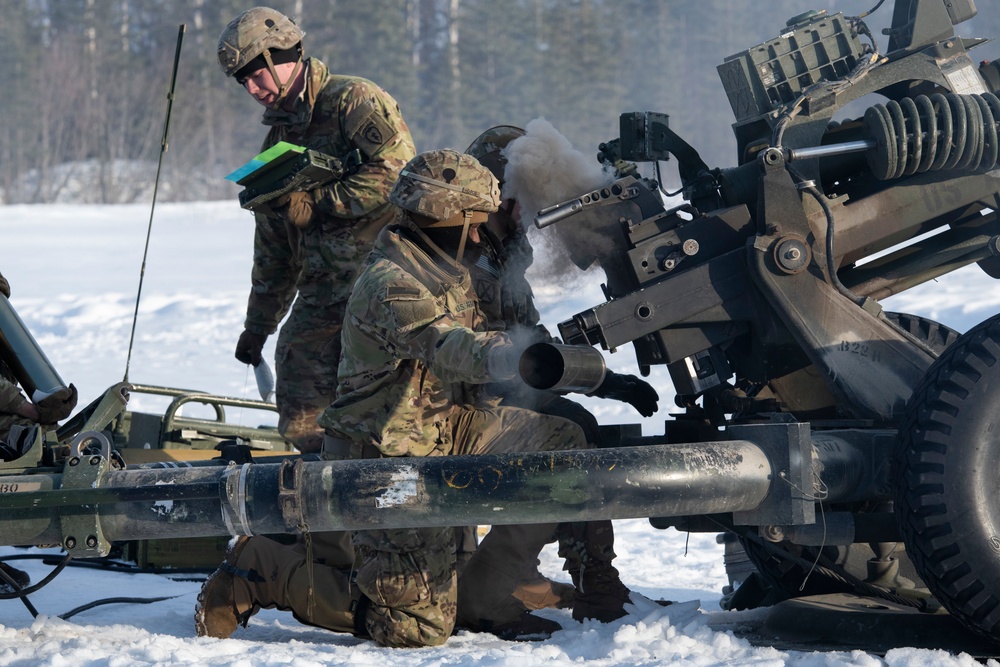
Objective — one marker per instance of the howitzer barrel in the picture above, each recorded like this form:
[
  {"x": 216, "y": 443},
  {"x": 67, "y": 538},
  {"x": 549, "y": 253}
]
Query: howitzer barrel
[{"x": 155, "y": 503}]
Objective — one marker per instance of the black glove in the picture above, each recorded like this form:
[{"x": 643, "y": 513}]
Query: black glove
[
  {"x": 248, "y": 347},
  {"x": 58, "y": 406},
  {"x": 629, "y": 389},
  {"x": 4, "y": 286}
]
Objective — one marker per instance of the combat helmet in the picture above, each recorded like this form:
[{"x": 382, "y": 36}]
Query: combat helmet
[
  {"x": 440, "y": 186},
  {"x": 260, "y": 32},
  {"x": 252, "y": 33},
  {"x": 488, "y": 148}
]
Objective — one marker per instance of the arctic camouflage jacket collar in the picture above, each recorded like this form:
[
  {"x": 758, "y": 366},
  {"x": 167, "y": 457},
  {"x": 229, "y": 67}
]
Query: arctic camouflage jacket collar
[{"x": 299, "y": 117}]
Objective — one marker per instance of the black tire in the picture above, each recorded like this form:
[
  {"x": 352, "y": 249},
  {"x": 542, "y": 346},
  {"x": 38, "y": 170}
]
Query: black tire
[
  {"x": 936, "y": 335},
  {"x": 947, "y": 466}
]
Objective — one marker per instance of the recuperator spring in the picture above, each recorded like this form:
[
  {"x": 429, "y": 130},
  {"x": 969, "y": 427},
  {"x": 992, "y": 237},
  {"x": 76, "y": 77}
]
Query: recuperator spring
[{"x": 925, "y": 133}]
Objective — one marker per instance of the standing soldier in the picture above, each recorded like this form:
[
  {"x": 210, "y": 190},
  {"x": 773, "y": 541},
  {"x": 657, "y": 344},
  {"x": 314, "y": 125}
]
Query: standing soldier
[
  {"x": 416, "y": 356},
  {"x": 315, "y": 241},
  {"x": 312, "y": 244}
]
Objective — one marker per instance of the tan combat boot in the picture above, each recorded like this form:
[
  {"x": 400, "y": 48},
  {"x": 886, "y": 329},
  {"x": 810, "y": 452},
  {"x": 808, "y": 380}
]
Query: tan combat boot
[
  {"x": 486, "y": 602},
  {"x": 536, "y": 591},
  {"x": 216, "y": 614}
]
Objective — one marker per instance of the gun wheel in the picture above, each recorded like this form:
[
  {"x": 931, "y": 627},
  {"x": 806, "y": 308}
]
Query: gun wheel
[
  {"x": 936, "y": 335},
  {"x": 783, "y": 567},
  {"x": 947, "y": 464}
]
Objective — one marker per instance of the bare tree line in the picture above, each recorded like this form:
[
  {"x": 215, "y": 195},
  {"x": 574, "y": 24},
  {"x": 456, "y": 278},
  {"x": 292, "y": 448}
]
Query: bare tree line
[{"x": 85, "y": 93}]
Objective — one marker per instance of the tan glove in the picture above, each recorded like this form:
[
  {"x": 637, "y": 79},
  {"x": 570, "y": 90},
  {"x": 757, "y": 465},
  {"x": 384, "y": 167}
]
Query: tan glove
[
  {"x": 296, "y": 207},
  {"x": 58, "y": 406}
]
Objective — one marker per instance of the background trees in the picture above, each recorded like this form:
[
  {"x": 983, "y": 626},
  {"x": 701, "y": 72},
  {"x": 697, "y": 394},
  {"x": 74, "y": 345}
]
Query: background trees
[{"x": 84, "y": 95}]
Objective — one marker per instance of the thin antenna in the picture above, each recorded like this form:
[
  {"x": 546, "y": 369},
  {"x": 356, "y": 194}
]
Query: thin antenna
[{"x": 156, "y": 186}]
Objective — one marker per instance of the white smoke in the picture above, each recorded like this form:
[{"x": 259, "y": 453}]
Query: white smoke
[{"x": 543, "y": 169}]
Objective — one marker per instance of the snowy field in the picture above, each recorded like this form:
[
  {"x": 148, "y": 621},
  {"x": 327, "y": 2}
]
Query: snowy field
[{"x": 74, "y": 271}]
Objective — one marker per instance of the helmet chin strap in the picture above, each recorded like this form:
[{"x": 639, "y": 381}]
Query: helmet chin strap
[
  {"x": 465, "y": 235},
  {"x": 282, "y": 86}
]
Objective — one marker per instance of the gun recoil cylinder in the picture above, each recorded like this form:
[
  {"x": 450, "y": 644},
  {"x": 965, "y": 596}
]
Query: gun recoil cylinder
[{"x": 919, "y": 134}]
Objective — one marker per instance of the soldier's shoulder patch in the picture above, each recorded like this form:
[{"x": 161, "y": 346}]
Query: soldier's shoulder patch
[
  {"x": 399, "y": 291},
  {"x": 368, "y": 129},
  {"x": 411, "y": 307}
]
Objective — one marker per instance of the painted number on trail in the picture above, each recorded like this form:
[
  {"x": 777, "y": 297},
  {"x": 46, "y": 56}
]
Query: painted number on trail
[
  {"x": 860, "y": 349},
  {"x": 15, "y": 487},
  {"x": 941, "y": 197}
]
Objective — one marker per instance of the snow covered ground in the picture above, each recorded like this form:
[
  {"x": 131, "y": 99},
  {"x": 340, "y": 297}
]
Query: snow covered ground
[{"x": 74, "y": 271}]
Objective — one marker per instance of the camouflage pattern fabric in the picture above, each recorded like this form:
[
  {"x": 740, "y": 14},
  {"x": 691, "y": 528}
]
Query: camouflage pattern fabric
[
  {"x": 507, "y": 302},
  {"x": 253, "y": 31},
  {"x": 409, "y": 577},
  {"x": 410, "y": 574},
  {"x": 411, "y": 349},
  {"x": 307, "y": 354},
  {"x": 503, "y": 290},
  {"x": 496, "y": 568},
  {"x": 335, "y": 115},
  {"x": 412, "y": 357},
  {"x": 441, "y": 184},
  {"x": 11, "y": 399},
  {"x": 586, "y": 542}
]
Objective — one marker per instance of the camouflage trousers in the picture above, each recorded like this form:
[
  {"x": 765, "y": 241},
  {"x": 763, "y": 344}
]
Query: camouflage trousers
[
  {"x": 409, "y": 575},
  {"x": 306, "y": 358},
  {"x": 518, "y": 394}
]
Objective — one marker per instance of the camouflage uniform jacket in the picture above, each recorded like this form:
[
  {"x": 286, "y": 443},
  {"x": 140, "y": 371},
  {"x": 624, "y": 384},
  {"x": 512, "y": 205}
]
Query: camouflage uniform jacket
[
  {"x": 334, "y": 115},
  {"x": 505, "y": 296},
  {"x": 11, "y": 397},
  {"x": 413, "y": 352}
]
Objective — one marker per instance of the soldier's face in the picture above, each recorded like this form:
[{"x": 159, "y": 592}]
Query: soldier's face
[
  {"x": 261, "y": 85},
  {"x": 474, "y": 234}
]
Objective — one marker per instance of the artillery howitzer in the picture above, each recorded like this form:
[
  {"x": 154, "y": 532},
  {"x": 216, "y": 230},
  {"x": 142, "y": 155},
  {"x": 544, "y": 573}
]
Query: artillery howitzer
[
  {"x": 761, "y": 296},
  {"x": 817, "y": 428}
]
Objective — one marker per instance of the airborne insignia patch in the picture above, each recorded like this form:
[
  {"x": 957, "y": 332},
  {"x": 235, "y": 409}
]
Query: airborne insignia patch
[{"x": 372, "y": 134}]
